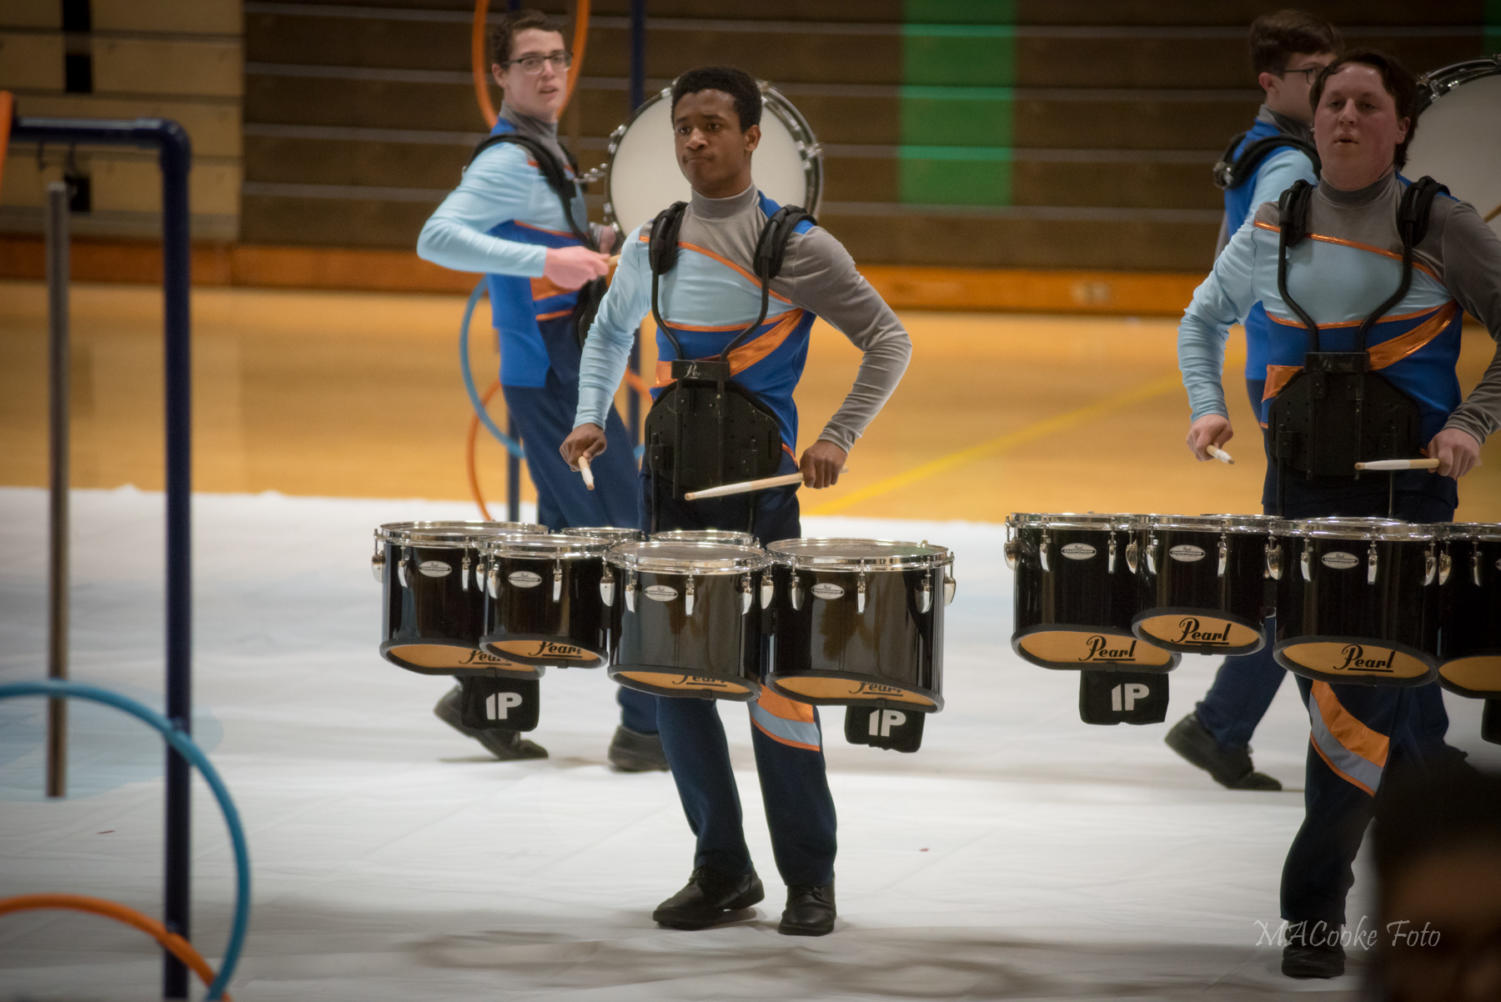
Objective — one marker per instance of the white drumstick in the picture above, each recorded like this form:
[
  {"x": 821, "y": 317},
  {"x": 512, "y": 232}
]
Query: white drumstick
[
  {"x": 1398, "y": 464},
  {"x": 1217, "y": 453},
  {"x": 586, "y": 473},
  {"x": 724, "y": 490}
]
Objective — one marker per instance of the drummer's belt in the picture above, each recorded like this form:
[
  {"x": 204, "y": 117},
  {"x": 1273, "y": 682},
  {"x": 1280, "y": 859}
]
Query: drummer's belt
[
  {"x": 1336, "y": 412},
  {"x": 705, "y": 430}
]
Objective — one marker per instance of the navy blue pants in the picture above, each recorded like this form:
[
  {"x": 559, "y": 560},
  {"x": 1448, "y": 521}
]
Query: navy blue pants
[
  {"x": 544, "y": 416},
  {"x": 785, "y": 735},
  {"x": 1357, "y": 734}
]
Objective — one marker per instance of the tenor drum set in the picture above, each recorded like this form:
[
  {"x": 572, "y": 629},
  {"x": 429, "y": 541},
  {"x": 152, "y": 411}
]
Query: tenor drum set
[
  {"x": 1356, "y": 600},
  {"x": 694, "y": 614}
]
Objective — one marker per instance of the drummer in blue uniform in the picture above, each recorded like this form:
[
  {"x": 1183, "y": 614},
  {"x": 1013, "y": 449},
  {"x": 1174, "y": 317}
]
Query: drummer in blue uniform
[
  {"x": 710, "y": 298},
  {"x": 532, "y": 240}
]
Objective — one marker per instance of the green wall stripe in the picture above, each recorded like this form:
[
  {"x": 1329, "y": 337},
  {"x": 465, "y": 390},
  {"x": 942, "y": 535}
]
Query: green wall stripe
[
  {"x": 956, "y": 102},
  {"x": 960, "y": 11},
  {"x": 1491, "y": 33},
  {"x": 948, "y": 176},
  {"x": 956, "y": 116}
]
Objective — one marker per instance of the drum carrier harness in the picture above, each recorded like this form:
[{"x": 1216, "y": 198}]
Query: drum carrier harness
[
  {"x": 705, "y": 429},
  {"x": 1231, "y": 171},
  {"x": 1336, "y": 412},
  {"x": 592, "y": 291}
]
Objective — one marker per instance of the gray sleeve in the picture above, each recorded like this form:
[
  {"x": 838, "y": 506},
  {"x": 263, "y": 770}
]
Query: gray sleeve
[
  {"x": 1471, "y": 255},
  {"x": 820, "y": 275}
]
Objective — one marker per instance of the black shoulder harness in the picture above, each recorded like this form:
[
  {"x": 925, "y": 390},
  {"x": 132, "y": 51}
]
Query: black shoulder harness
[{"x": 1232, "y": 171}]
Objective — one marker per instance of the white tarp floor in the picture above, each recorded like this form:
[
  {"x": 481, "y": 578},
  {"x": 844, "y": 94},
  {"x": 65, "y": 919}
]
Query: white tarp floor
[{"x": 1020, "y": 854}]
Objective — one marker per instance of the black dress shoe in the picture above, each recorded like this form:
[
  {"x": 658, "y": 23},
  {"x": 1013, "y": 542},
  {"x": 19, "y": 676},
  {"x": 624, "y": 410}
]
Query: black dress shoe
[
  {"x": 1230, "y": 767},
  {"x": 809, "y": 911},
  {"x": 1302, "y": 960},
  {"x": 711, "y": 897},
  {"x": 505, "y": 745},
  {"x": 632, "y": 751}
]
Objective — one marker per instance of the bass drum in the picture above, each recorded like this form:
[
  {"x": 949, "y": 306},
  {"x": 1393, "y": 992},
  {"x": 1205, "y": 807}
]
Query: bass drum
[
  {"x": 643, "y": 177},
  {"x": 1458, "y": 139}
]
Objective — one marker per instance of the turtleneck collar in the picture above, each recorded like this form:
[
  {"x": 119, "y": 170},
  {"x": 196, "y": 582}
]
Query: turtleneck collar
[
  {"x": 1359, "y": 196},
  {"x": 1285, "y": 124},
  {"x": 722, "y": 208},
  {"x": 542, "y": 131}
]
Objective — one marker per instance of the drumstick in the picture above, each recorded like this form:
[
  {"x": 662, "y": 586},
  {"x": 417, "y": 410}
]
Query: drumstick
[
  {"x": 1216, "y": 452},
  {"x": 1398, "y": 464},
  {"x": 586, "y": 473},
  {"x": 724, "y": 490},
  {"x": 614, "y": 260}
]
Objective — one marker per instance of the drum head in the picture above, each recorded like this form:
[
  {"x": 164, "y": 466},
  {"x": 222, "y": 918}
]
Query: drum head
[
  {"x": 1458, "y": 138},
  {"x": 546, "y": 547},
  {"x": 666, "y": 556},
  {"x": 451, "y": 533},
  {"x": 856, "y": 554},
  {"x": 708, "y": 536},
  {"x": 644, "y": 177},
  {"x": 613, "y": 533}
]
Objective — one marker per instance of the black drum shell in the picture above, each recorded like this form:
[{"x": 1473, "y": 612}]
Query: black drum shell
[
  {"x": 892, "y": 653},
  {"x": 432, "y": 624},
  {"x": 526, "y": 626},
  {"x": 1470, "y": 631},
  {"x": 713, "y": 653},
  {"x": 1395, "y": 618},
  {"x": 1088, "y": 597},
  {"x": 1195, "y": 590}
]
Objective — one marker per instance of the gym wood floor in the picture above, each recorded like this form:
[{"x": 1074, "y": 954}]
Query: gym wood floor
[{"x": 359, "y": 395}]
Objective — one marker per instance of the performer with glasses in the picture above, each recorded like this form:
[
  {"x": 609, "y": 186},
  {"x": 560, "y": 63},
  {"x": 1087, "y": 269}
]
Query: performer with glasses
[
  {"x": 737, "y": 281},
  {"x": 518, "y": 216}
]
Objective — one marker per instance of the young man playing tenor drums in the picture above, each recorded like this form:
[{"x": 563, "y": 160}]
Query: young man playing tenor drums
[{"x": 708, "y": 297}]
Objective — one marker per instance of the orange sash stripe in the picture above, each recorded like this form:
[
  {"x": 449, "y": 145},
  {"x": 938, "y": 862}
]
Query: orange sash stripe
[
  {"x": 1395, "y": 349},
  {"x": 748, "y": 354},
  {"x": 778, "y": 705},
  {"x": 1357, "y": 246},
  {"x": 1277, "y": 377},
  {"x": 749, "y": 276},
  {"x": 545, "y": 288},
  {"x": 1348, "y": 729}
]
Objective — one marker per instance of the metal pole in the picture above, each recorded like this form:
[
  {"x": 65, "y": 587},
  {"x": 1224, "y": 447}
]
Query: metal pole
[
  {"x": 175, "y": 155},
  {"x": 513, "y": 476},
  {"x": 175, "y": 159},
  {"x": 57, "y": 608},
  {"x": 637, "y": 95}
]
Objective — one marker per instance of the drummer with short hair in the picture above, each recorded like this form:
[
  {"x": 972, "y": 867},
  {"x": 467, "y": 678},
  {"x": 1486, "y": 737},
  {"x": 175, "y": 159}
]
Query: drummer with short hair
[
  {"x": 1327, "y": 265},
  {"x": 531, "y": 239},
  {"x": 710, "y": 299}
]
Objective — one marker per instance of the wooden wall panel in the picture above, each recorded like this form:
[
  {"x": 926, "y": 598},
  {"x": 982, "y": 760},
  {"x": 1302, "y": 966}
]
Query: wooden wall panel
[{"x": 31, "y": 61}]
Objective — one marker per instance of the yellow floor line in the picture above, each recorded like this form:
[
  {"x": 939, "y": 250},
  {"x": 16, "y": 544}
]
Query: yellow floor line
[{"x": 1030, "y": 433}]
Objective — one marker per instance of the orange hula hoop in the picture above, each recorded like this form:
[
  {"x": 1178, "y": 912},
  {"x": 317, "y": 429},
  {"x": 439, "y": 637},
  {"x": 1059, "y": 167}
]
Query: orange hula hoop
[
  {"x": 479, "y": 66},
  {"x": 170, "y": 941},
  {"x": 7, "y": 109}
]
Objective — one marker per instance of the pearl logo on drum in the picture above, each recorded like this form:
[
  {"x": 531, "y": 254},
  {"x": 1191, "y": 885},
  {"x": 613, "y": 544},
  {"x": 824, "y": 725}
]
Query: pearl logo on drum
[
  {"x": 1339, "y": 560},
  {"x": 1355, "y": 660},
  {"x": 702, "y": 682},
  {"x": 1079, "y": 551},
  {"x": 827, "y": 591},
  {"x": 1097, "y": 648},
  {"x": 1193, "y": 634},
  {"x": 1186, "y": 553},
  {"x": 524, "y": 579},
  {"x": 435, "y": 569},
  {"x": 661, "y": 592}
]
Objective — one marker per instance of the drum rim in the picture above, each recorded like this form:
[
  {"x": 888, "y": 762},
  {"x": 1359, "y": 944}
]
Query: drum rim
[
  {"x": 453, "y": 532},
  {"x": 772, "y": 100},
  {"x": 1437, "y": 83},
  {"x": 1355, "y": 527},
  {"x": 738, "y": 560},
  {"x": 737, "y": 537},
  {"x": 939, "y": 556},
  {"x": 1225, "y": 523},
  {"x": 1072, "y": 520},
  {"x": 552, "y": 547},
  {"x": 1488, "y": 531},
  {"x": 614, "y": 533}
]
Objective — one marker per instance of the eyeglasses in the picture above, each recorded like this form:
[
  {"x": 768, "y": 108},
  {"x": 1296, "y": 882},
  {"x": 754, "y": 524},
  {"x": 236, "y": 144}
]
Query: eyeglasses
[
  {"x": 1309, "y": 72},
  {"x": 531, "y": 63}
]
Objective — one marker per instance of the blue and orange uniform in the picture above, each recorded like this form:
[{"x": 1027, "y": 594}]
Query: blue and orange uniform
[
  {"x": 707, "y": 298},
  {"x": 1345, "y": 268},
  {"x": 501, "y": 220}
]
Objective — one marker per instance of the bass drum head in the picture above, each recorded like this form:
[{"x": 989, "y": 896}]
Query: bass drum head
[
  {"x": 644, "y": 177},
  {"x": 1458, "y": 139}
]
